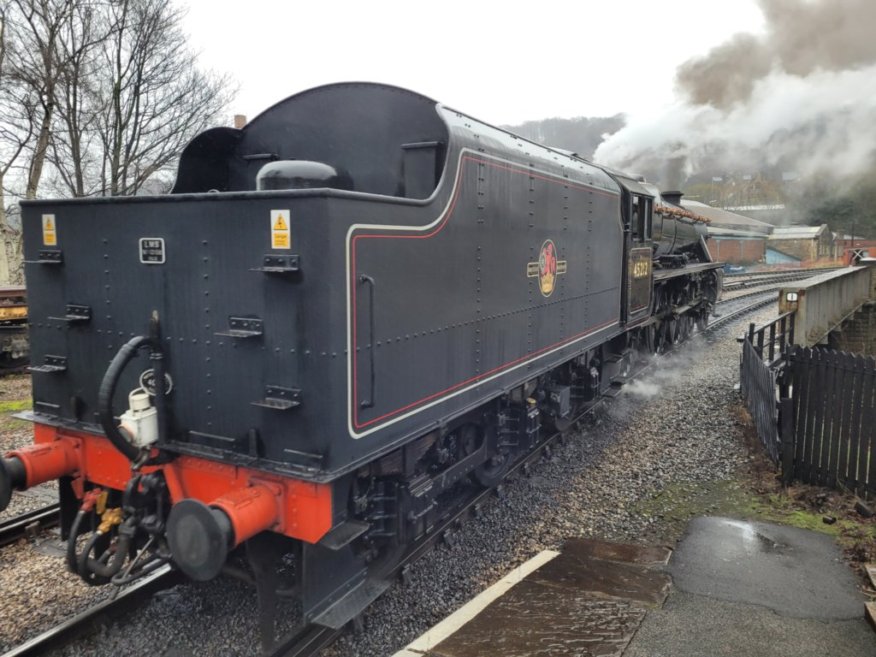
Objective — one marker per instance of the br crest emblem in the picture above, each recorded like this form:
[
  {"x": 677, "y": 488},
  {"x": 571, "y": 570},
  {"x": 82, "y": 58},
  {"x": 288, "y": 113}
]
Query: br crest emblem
[{"x": 547, "y": 269}]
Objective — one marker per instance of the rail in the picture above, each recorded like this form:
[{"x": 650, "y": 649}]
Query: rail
[
  {"x": 19, "y": 526},
  {"x": 756, "y": 280}
]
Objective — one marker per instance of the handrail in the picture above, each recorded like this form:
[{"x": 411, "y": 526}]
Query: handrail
[{"x": 778, "y": 333}]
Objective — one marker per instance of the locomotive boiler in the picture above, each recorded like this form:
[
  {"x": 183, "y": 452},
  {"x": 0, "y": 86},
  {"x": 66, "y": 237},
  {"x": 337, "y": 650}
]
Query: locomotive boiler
[{"x": 345, "y": 311}]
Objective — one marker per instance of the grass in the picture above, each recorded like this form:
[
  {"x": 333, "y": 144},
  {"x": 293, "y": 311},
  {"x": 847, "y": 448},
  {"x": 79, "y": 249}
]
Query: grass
[
  {"x": 16, "y": 406},
  {"x": 8, "y": 423}
]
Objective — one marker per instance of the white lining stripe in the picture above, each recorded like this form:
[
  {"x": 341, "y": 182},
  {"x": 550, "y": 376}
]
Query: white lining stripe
[
  {"x": 383, "y": 227},
  {"x": 473, "y": 607}
]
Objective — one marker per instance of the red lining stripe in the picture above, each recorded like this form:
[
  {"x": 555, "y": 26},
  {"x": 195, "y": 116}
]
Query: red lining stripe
[
  {"x": 432, "y": 233},
  {"x": 490, "y": 372}
]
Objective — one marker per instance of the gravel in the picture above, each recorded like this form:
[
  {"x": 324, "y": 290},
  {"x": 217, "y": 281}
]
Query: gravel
[
  {"x": 15, "y": 395},
  {"x": 675, "y": 426}
]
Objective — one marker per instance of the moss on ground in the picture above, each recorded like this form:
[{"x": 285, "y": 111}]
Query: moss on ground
[
  {"x": 756, "y": 494},
  {"x": 15, "y": 406},
  {"x": 8, "y": 408}
]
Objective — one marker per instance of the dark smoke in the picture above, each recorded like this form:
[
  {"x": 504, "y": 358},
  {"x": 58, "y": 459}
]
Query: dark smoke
[
  {"x": 800, "y": 98},
  {"x": 727, "y": 74},
  {"x": 801, "y": 38}
]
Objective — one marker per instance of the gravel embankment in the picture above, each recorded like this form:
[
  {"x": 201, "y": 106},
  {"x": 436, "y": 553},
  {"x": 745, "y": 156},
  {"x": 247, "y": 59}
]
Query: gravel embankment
[
  {"x": 674, "y": 427},
  {"x": 14, "y": 433}
]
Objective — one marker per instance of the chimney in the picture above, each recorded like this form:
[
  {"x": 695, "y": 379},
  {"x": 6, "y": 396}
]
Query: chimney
[
  {"x": 673, "y": 197},
  {"x": 239, "y": 121}
]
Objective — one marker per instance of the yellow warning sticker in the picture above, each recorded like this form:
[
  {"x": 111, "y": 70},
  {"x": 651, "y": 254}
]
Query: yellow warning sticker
[
  {"x": 281, "y": 235},
  {"x": 50, "y": 230}
]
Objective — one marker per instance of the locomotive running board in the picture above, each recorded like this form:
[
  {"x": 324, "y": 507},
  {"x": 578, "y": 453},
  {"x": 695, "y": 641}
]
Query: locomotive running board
[
  {"x": 352, "y": 604},
  {"x": 344, "y": 534}
]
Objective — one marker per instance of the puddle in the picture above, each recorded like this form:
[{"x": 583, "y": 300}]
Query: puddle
[{"x": 755, "y": 541}]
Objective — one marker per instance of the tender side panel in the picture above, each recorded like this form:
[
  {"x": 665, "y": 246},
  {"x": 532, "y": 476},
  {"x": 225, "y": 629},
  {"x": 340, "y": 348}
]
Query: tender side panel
[{"x": 521, "y": 263}]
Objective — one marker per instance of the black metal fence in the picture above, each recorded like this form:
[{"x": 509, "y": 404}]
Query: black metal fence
[
  {"x": 762, "y": 350},
  {"x": 771, "y": 339},
  {"x": 814, "y": 409},
  {"x": 757, "y": 383}
]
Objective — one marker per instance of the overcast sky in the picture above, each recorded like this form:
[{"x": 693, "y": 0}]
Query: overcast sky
[{"x": 503, "y": 63}]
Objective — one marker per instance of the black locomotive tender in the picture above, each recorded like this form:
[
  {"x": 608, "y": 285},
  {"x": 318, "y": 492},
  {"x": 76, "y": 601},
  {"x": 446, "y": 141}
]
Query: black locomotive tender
[{"x": 353, "y": 306}]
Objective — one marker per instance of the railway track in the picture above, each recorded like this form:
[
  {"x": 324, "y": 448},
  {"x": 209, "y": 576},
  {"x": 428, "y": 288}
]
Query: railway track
[
  {"x": 93, "y": 617},
  {"x": 28, "y": 523},
  {"x": 812, "y": 271},
  {"x": 754, "y": 280},
  {"x": 310, "y": 640},
  {"x": 762, "y": 299}
]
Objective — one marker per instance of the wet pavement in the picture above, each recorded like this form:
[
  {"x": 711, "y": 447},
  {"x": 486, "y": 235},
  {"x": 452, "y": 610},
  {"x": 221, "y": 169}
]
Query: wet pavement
[
  {"x": 749, "y": 589},
  {"x": 588, "y": 601},
  {"x": 744, "y": 589},
  {"x": 794, "y": 572}
]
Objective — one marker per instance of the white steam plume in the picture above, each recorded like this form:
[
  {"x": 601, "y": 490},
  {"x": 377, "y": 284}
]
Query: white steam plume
[{"x": 803, "y": 95}]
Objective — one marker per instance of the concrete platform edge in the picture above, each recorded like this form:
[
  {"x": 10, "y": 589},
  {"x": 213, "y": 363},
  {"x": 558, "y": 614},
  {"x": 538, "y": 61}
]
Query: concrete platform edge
[{"x": 473, "y": 607}]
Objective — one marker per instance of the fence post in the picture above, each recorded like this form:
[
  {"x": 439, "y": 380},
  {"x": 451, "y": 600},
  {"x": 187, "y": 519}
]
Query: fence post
[
  {"x": 786, "y": 424},
  {"x": 783, "y": 332}
]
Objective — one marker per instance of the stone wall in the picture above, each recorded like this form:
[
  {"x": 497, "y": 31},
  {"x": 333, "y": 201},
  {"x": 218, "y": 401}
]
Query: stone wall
[{"x": 858, "y": 333}]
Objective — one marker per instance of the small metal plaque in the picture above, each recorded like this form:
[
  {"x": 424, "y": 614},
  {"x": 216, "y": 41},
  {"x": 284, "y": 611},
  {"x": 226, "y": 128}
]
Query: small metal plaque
[
  {"x": 147, "y": 382},
  {"x": 152, "y": 250}
]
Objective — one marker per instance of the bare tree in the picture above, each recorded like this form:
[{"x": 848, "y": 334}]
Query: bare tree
[
  {"x": 97, "y": 97},
  {"x": 17, "y": 128},
  {"x": 75, "y": 140},
  {"x": 110, "y": 90},
  {"x": 35, "y": 28},
  {"x": 154, "y": 98},
  {"x": 17, "y": 131}
]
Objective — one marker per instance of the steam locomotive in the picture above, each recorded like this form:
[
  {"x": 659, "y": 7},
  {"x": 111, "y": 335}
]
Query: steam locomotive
[{"x": 344, "y": 311}]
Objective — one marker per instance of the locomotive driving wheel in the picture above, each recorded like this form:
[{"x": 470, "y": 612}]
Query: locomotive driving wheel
[{"x": 492, "y": 472}]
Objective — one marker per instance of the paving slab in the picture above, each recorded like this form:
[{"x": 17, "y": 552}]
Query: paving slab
[
  {"x": 588, "y": 600},
  {"x": 740, "y": 589},
  {"x": 535, "y": 620}
]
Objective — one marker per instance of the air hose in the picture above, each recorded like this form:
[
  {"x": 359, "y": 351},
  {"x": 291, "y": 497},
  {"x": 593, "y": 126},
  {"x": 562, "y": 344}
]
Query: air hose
[{"x": 108, "y": 389}]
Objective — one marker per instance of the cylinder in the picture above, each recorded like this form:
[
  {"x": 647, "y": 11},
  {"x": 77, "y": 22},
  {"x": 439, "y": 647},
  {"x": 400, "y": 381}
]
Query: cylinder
[
  {"x": 47, "y": 461},
  {"x": 199, "y": 538}
]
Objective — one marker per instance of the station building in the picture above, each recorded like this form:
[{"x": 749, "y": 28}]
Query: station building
[
  {"x": 801, "y": 244},
  {"x": 732, "y": 237}
]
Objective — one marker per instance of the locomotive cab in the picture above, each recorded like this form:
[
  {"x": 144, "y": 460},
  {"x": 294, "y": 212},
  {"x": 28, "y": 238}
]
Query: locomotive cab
[{"x": 637, "y": 204}]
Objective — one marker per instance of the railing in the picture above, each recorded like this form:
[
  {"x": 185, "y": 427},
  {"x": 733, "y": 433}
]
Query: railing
[
  {"x": 814, "y": 409},
  {"x": 773, "y": 337},
  {"x": 757, "y": 385},
  {"x": 823, "y": 302}
]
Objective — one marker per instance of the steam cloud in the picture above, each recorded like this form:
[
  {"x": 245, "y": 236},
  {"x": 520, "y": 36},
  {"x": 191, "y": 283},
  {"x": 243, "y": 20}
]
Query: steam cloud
[{"x": 801, "y": 97}]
